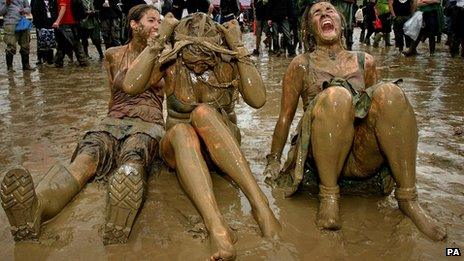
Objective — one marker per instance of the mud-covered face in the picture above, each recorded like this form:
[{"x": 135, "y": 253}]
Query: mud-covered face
[
  {"x": 148, "y": 25},
  {"x": 325, "y": 22}
]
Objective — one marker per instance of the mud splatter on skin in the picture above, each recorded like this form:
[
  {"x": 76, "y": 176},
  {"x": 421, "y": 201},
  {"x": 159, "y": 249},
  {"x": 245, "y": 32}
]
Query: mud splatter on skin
[{"x": 45, "y": 112}]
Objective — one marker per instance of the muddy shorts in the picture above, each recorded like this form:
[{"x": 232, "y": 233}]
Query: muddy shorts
[{"x": 116, "y": 141}]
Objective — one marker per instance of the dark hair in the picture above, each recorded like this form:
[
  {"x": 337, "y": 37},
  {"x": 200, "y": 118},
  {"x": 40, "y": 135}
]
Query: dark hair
[
  {"x": 307, "y": 32},
  {"x": 136, "y": 13}
]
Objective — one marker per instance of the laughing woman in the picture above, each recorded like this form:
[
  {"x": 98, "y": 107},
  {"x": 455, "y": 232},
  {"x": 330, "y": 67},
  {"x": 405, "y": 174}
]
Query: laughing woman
[{"x": 351, "y": 125}]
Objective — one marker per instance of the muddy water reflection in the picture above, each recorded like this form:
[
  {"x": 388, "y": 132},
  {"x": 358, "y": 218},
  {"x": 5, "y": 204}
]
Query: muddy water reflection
[{"x": 44, "y": 113}]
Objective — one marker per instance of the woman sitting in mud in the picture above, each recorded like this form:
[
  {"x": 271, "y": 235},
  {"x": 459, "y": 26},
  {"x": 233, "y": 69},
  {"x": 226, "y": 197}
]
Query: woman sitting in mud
[
  {"x": 351, "y": 125},
  {"x": 127, "y": 141},
  {"x": 202, "y": 79}
]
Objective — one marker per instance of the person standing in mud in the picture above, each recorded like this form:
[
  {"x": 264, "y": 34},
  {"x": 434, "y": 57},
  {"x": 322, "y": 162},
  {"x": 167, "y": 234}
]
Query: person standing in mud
[
  {"x": 12, "y": 11},
  {"x": 67, "y": 35},
  {"x": 90, "y": 27},
  {"x": 351, "y": 125},
  {"x": 204, "y": 72},
  {"x": 126, "y": 141}
]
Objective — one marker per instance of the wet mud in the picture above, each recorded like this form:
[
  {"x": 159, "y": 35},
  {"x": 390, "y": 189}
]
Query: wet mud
[{"x": 45, "y": 112}]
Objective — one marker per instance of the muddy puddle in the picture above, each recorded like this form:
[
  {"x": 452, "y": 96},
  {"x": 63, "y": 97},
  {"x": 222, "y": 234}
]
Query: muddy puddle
[{"x": 45, "y": 112}]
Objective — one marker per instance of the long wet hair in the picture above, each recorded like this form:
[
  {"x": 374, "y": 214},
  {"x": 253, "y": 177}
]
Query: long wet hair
[
  {"x": 307, "y": 32},
  {"x": 136, "y": 13}
]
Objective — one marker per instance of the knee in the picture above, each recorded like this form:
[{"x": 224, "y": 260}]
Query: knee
[
  {"x": 336, "y": 101},
  {"x": 202, "y": 112},
  {"x": 389, "y": 95},
  {"x": 183, "y": 134}
]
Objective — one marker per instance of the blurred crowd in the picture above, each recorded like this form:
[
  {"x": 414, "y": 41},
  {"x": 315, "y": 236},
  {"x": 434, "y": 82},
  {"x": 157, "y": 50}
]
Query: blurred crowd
[{"x": 63, "y": 27}]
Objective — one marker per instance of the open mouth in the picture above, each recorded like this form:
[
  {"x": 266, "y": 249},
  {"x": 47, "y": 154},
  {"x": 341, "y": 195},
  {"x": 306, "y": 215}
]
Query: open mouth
[{"x": 327, "y": 26}]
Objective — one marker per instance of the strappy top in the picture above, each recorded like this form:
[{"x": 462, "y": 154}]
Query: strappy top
[{"x": 322, "y": 78}]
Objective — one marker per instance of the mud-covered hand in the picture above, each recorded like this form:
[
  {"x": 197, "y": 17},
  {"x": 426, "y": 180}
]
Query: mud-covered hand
[
  {"x": 232, "y": 34},
  {"x": 167, "y": 27},
  {"x": 272, "y": 170}
]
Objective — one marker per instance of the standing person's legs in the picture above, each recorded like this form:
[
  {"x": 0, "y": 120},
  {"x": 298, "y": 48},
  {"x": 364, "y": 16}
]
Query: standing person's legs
[
  {"x": 24, "y": 40},
  {"x": 83, "y": 36},
  {"x": 95, "y": 36},
  {"x": 287, "y": 40},
  {"x": 115, "y": 32},
  {"x": 259, "y": 31},
  {"x": 77, "y": 46},
  {"x": 275, "y": 38},
  {"x": 106, "y": 32},
  {"x": 10, "y": 39},
  {"x": 398, "y": 32}
]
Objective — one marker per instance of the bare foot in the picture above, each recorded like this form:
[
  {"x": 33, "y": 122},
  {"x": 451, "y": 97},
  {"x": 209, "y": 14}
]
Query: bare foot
[
  {"x": 270, "y": 227},
  {"x": 222, "y": 245},
  {"x": 424, "y": 223},
  {"x": 329, "y": 212}
]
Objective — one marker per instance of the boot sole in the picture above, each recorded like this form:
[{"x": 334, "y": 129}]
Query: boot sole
[
  {"x": 125, "y": 197},
  {"x": 20, "y": 203}
]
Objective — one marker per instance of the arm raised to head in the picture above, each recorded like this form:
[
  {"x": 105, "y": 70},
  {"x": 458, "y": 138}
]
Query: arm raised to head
[{"x": 251, "y": 84}]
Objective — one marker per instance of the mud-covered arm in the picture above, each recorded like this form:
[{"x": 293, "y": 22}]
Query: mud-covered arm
[
  {"x": 291, "y": 88},
  {"x": 145, "y": 69},
  {"x": 251, "y": 84},
  {"x": 370, "y": 71},
  {"x": 139, "y": 73}
]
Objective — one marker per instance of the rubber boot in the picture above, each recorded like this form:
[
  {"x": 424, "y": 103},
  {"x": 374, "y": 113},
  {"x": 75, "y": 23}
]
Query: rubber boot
[
  {"x": 386, "y": 37},
  {"x": 409, "y": 205},
  {"x": 25, "y": 61},
  {"x": 412, "y": 49},
  {"x": 9, "y": 61},
  {"x": 329, "y": 207},
  {"x": 126, "y": 190},
  {"x": 26, "y": 208},
  {"x": 377, "y": 38}
]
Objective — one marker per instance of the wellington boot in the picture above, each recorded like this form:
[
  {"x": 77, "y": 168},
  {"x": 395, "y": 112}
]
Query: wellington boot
[
  {"x": 125, "y": 197},
  {"x": 25, "y": 62},
  {"x": 26, "y": 208},
  {"x": 377, "y": 38},
  {"x": 386, "y": 37},
  {"x": 9, "y": 61}
]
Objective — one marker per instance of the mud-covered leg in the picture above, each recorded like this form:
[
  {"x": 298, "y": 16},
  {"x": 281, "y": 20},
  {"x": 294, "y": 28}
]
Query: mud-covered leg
[
  {"x": 331, "y": 137},
  {"x": 396, "y": 130},
  {"x": 181, "y": 150},
  {"x": 27, "y": 207},
  {"x": 226, "y": 153}
]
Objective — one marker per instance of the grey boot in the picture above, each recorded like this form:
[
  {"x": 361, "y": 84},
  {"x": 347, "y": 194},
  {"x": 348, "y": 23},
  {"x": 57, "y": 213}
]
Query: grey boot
[
  {"x": 126, "y": 190},
  {"x": 27, "y": 207}
]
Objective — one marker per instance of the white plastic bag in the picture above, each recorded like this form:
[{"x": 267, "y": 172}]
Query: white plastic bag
[
  {"x": 359, "y": 15},
  {"x": 413, "y": 26}
]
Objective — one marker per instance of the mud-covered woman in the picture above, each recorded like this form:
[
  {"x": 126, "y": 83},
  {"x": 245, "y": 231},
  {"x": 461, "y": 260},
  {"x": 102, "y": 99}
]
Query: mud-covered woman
[
  {"x": 204, "y": 71},
  {"x": 351, "y": 126},
  {"x": 121, "y": 148}
]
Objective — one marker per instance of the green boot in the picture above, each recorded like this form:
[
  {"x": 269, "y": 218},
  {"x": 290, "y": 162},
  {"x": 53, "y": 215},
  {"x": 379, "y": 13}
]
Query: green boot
[{"x": 26, "y": 208}]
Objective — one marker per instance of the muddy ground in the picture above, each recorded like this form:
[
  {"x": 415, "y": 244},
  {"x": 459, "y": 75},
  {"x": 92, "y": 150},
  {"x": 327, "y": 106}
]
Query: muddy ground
[{"x": 45, "y": 112}]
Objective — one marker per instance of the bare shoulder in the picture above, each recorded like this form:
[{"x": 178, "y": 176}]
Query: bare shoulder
[
  {"x": 300, "y": 62},
  {"x": 114, "y": 51}
]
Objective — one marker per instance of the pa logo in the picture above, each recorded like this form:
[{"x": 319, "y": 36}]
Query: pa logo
[{"x": 453, "y": 251}]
